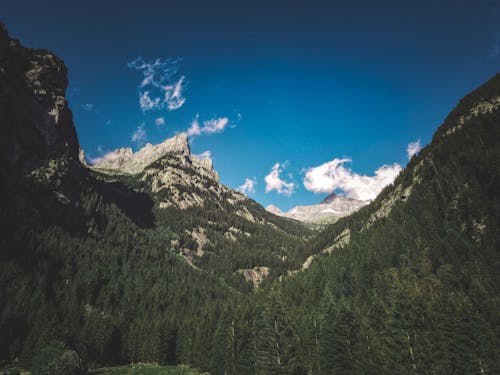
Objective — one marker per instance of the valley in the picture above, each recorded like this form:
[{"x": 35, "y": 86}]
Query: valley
[{"x": 147, "y": 258}]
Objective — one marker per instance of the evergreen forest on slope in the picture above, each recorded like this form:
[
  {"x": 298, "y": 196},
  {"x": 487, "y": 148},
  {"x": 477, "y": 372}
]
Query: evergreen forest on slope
[{"x": 91, "y": 276}]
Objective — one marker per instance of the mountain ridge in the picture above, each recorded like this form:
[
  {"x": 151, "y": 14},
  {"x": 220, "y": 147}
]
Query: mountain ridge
[
  {"x": 125, "y": 160},
  {"x": 328, "y": 210}
]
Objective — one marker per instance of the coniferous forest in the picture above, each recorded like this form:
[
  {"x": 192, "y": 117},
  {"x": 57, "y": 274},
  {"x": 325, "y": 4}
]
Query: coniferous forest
[{"x": 92, "y": 271}]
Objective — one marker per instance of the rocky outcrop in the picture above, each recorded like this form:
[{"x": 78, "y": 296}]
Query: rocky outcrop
[
  {"x": 205, "y": 166},
  {"x": 481, "y": 108},
  {"x": 37, "y": 125},
  {"x": 82, "y": 158},
  {"x": 255, "y": 275}
]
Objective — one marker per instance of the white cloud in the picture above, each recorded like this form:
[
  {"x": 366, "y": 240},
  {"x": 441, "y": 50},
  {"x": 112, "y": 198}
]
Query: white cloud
[
  {"x": 332, "y": 175},
  {"x": 173, "y": 95},
  {"x": 215, "y": 125},
  {"x": 209, "y": 126},
  {"x": 88, "y": 107},
  {"x": 139, "y": 136},
  {"x": 274, "y": 181},
  {"x": 248, "y": 186},
  {"x": 194, "y": 129},
  {"x": 204, "y": 155},
  {"x": 109, "y": 156},
  {"x": 147, "y": 103},
  {"x": 413, "y": 148},
  {"x": 159, "y": 88},
  {"x": 160, "y": 121}
]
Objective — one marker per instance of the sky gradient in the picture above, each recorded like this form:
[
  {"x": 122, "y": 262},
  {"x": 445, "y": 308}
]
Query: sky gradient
[{"x": 283, "y": 89}]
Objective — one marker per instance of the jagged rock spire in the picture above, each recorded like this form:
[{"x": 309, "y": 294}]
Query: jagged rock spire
[{"x": 125, "y": 160}]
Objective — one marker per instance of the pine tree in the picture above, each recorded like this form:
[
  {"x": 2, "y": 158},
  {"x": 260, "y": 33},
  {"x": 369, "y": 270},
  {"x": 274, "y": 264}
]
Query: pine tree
[
  {"x": 277, "y": 340},
  {"x": 337, "y": 340}
]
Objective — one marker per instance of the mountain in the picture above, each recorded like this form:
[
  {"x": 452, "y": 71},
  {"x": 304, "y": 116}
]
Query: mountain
[
  {"x": 125, "y": 160},
  {"x": 329, "y": 210},
  {"x": 408, "y": 283},
  {"x": 99, "y": 264},
  {"x": 178, "y": 168},
  {"x": 146, "y": 257},
  {"x": 211, "y": 220},
  {"x": 330, "y": 198}
]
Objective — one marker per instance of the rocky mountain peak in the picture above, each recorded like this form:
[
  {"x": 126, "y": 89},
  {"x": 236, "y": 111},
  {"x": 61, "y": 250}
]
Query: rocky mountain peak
[
  {"x": 330, "y": 209},
  {"x": 330, "y": 198},
  {"x": 125, "y": 160},
  {"x": 178, "y": 144},
  {"x": 176, "y": 148}
]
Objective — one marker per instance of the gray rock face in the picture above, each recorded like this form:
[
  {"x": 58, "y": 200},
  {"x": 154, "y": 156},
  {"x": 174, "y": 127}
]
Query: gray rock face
[
  {"x": 331, "y": 208},
  {"x": 123, "y": 159}
]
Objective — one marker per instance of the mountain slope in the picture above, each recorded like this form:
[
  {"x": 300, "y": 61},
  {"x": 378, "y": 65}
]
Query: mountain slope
[
  {"x": 410, "y": 285},
  {"x": 216, "y": 227},
  {"x": 104, "y": 265}
]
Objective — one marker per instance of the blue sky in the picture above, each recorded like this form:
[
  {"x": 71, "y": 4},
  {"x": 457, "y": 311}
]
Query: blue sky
[{"x": 305, "y": 84}]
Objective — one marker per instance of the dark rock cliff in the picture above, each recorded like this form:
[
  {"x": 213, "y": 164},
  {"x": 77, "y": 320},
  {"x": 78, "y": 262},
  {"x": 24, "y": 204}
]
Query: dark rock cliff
[
  {"x": 36, "y": 123},
  {"x": 42, "y": 177}
]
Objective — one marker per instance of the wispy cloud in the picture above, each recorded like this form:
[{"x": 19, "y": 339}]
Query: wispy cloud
[
  {"x": 248, "y": 186},
  {"x": 160, "y": 121},
  {"x": 173, "y": 95},
  {"x": 89, "y": 107},
  {"x": 204, "y": 155},
  {"x": 211, "y": 126},
  {"x": 274, "y": 181},
  {"x": 161, "y": 86},
  {"x": 333, "y": 175},
  {"x": 413, "y": 149},
  {"x": 139, "y": 136},
  {"x": 147, "y": 103}
]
